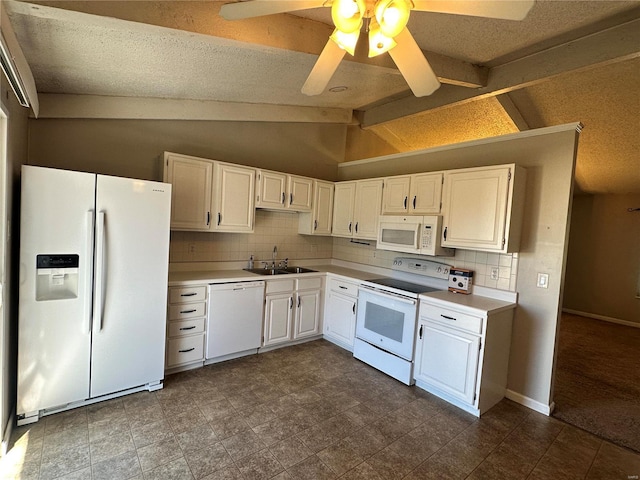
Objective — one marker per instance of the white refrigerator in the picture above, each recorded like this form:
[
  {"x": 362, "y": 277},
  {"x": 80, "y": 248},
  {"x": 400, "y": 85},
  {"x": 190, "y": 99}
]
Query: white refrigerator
[{"x": 94, "y": 253}]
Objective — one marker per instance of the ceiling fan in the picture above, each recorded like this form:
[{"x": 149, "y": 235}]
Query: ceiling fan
[{"x": 385, "y": 23}]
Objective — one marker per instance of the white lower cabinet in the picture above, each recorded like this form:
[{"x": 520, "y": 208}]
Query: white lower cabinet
[
  {"x": 292, "y": 310},
  {"x": 462, "y": 350},
  {"x": 186, "y": 315},
  {"x": 340, "y": 312}
]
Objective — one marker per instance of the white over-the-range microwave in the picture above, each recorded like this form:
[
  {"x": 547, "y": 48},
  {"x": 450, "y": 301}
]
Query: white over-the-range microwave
[{"x": 412, "y": 234}]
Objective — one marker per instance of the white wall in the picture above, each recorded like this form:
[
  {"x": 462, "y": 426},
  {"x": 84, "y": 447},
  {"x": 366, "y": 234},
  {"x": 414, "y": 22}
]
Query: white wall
[{"x": 549, "y": 157}]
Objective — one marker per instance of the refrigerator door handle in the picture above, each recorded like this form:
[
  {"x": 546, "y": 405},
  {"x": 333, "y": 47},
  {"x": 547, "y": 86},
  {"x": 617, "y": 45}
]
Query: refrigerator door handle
[
  {"x": 89, "y": 279},
  {"x": 99, "y": 271}
]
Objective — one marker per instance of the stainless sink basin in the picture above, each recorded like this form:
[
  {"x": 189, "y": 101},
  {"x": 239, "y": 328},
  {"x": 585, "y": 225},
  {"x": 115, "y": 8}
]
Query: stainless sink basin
[
  {"x": 297, "y": 270},
  {"x": 279, "y": 271},
  {"x": 266, "y": 271}
]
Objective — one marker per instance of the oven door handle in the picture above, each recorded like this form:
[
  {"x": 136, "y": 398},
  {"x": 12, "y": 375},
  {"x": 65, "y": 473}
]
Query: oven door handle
[{"x": 392, "y": 296}]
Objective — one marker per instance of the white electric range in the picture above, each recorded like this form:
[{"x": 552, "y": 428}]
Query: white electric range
[{"x": 388, "y": 315}]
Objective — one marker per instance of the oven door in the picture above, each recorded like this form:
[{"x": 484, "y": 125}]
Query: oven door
[{"x": 387, "y": 321}]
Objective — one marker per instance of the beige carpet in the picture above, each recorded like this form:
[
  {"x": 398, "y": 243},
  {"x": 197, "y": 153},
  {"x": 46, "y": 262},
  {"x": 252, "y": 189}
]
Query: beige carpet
[{"x": 597, "y": 386}]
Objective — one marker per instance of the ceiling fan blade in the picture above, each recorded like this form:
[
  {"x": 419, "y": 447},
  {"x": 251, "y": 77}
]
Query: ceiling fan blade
[
  {"x": 504, "y": 9},
  {"x": 258, "y": 8},
  {"x": 324, "y": 69},
  {"x": 414, "y": 67}
]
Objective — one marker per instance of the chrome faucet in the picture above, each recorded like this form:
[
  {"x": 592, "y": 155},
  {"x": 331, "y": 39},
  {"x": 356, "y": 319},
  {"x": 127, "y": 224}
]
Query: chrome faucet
[{"x": 275, "y": 255}]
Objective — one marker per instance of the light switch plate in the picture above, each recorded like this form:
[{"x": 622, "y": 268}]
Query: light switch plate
[{"x": 543, "y": 280}]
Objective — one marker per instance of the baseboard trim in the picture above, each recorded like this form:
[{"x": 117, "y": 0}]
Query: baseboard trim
[
  {"x": 602, "y": 317},
  {"x": 530, "y": 402}
]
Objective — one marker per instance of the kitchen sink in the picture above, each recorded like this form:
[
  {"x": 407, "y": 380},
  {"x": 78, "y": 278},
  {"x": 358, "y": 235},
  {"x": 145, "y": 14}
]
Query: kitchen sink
[
  {"x": 266, "y": 271},
  {"x": 297, "y": 270},
  {"x": 279, "y": 271}
]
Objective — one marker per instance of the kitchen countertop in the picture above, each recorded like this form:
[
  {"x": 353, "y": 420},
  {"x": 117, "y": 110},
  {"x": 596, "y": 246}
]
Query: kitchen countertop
[
  {"x": 230, "y": 276},
  {"x": 474, "y": 304}
]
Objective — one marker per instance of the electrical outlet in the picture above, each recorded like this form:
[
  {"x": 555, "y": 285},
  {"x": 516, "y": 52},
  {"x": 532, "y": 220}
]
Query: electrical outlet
[
  {"x": 543, "y": 280},
  {"x": 495, "y": 273},
  {"x": 192, "y": 248}
]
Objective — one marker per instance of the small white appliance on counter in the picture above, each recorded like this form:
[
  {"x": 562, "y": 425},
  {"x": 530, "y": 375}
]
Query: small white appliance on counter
[
  {"x": 460, "y": 280},
  {"x": 388, "y": 314},
  {"x": 94, "y": 260},
  {"x": 412, "y": 234}
]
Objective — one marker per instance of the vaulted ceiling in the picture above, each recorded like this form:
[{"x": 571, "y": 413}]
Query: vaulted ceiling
[{"x": 566, "y": 61}]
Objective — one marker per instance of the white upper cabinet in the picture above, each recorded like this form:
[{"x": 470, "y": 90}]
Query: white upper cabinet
[
  {"x": 190, "y": 179},
  {"x": 233, "y": 206},
  {"x": 418, "y": 194},
  {"x": 319, "y": 221},
  {"x": 356, "y": 208},
  {"x": 300, "y": 193},
  {"x": 279, "y": 191},
  {"x": 271, "y": 190},
  {"x": 482, "y": 208},
  {"x": 208, "y": 195}
]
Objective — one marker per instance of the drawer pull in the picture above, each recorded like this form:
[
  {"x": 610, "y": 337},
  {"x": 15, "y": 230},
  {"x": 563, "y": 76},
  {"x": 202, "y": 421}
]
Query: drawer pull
[
  {"x": 188, "y": 311},
  {"x": 188, "y": 328},
  {"x": 187, "y": 350},
  {"x": 343, "y": 287},
  {"x": 448, "y": 318},
  {"x": 188, "y": 294}
]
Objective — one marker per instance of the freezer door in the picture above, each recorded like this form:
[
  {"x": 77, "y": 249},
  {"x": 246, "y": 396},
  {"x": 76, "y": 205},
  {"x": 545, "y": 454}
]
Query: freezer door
[
  {"x": 54, "y": 319},
  {"x": 132, "y": 258}
]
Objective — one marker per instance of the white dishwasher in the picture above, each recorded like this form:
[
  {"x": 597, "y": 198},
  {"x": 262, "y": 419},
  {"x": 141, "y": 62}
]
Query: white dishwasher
[{"x": 234, "y": 320}]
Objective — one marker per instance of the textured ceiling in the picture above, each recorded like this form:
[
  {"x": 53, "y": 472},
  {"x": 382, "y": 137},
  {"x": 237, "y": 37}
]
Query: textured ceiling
[{"x": 537, "y": 72}]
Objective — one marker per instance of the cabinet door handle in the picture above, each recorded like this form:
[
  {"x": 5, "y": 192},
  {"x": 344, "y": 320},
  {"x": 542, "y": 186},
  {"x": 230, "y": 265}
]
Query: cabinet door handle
[
  {"x": 405, "y": 202},
  {"x": 448, "y": 318},
  {"x": 356, "y": 227},
  {"x": 414, "y": 202},
  {"x": 420, "y": 333},
  {"x": 187, "y": 350},
  {"x": 298, "y": 301},
  {"x": 290, "y": 303},
  {"x": 188, "y": 328},
  {"x": 283, "y": 198},
  {"x": 315, "y": 224},
  {"x": 349, "y": 227},
  {"x": 187, "y": 311},
  {"x": 188, "y": 294},
  {"x": 291, "y": 199},
  {"x": 354, "y": 308},
  {"x": 445, "y": 233},
  {"x": 219, "y": 218},
  {"x": 208, "y": 218}
]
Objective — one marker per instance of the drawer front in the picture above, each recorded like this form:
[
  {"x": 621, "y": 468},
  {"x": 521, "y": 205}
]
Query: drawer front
[
  {"x": 451, "y": 318},
  {"x": 345, "y": 288},
  {"x": 187, "y": 310},
  {"x": 187, "y": 294},
  {"x": 314, "y": 283},
  {"x": 280, "y": 286},
  {"x": 185, "y": 350},
  {"x": 186, "y": 327}
]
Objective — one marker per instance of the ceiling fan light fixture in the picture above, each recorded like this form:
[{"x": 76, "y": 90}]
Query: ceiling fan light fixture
[
  {"x": 392, "y": 16},
  {"x": 379, "y": 43},
  {"x": 347, "y": 14},
  {"x": 346, "y": 41}
]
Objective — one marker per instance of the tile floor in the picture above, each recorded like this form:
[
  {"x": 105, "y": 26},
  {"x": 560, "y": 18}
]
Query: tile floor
[{"x": 304, "y": 412}]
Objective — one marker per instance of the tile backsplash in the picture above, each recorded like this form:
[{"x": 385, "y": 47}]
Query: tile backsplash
[
  {"x": 271, "y": 229},
  {"x": 281, "y": 229}
]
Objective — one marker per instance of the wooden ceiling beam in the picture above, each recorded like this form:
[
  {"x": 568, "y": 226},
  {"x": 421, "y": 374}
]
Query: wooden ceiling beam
[{"x": 615, "y": 44}]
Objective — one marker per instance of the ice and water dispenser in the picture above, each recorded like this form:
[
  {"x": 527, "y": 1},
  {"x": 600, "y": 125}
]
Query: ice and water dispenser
[{"x": 57, "y": 277}]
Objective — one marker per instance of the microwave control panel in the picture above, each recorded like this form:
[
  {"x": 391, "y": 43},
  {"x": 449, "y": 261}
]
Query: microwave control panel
[{"x": 427, "y": 236}]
